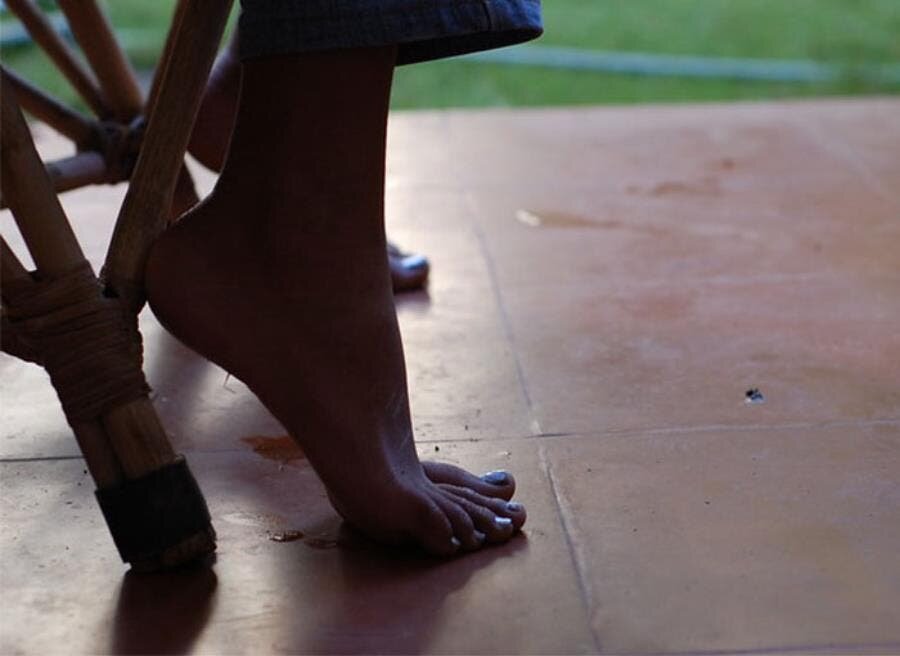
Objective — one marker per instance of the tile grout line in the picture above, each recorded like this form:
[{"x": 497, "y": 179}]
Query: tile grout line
[
  {"x": 800, "y": 650},
  {"x": 575, "y": 553},
  {"x": 615, "y": 432},
  {"x": 677, "y": 430},
  {"x": 39, "y": 459},
  {"x": 841, "y": 152},
  {"x": 725, "y": 428},
  {"x": 504, "y": 315}
]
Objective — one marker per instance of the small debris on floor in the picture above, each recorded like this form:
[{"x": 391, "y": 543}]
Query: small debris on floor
[
  {"x": 286, "y": 536},
  {"x": 436, "y": 448},
  {"x": 753, "y": 395}
]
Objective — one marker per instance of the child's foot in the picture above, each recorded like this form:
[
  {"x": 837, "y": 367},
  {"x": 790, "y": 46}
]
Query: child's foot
[{"x": 319, "y": 344}]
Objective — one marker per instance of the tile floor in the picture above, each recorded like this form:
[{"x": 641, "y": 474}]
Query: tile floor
[{"x": 608, "y": 284}]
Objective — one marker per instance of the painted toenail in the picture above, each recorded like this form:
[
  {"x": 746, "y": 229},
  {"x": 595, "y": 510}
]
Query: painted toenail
[
  {"x": 512, "y": 506},
  {"x": 496, "y": 478},
  {"x": 502, "y": 522},
  {"x": 411, "y": 262}
]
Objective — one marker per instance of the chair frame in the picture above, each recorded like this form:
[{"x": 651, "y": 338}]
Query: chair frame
[{"x": 129, "y": 139}]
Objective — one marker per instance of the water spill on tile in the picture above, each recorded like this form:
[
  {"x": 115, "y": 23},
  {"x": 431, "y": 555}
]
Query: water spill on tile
[
  {"x": 245, "y": 519},
  {"x": 706, "y": 186},
  {"x": 283, "y": 448},
  {"x": 555, "y": 220}
]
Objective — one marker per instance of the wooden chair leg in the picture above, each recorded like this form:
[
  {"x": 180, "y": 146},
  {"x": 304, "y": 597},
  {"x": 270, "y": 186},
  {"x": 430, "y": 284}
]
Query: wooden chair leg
[
  {"x": 28, "y": 192},
  {"x": 124, "y": 445},
  {"x": 116, "y": 77},
  {"x": 43, "y": 33},
  {"x": 68, "y": 122},
  {"x": 166, "y": 57},
  {"x": 11, "y": 269},
  {"x": 185, "y": 195},
  {"x": 118, "y": 96},
  {"x": 144, "y": 213},
  {"x": 74, "y": 172},
  {"x": 12, "y": 272},
  {"x": 52, "y": 245}
]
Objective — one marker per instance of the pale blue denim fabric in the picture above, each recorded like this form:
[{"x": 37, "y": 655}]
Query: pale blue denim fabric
[{"x": 422, "y": 29}]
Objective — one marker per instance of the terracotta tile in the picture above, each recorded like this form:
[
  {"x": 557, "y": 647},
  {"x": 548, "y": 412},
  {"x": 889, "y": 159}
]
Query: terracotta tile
[
  {"x": 682, "y": 256},
  {"x": 418, "y": 151},
  {"x": 737, "y": 540},
  {"x": 589, "y": 238},
  {"x": 665, "y": 150},
  {"x": 678, "y": 195},
  {"x": 646, "y": 357},
  {"x": 327, "y": 592},
  {"x": 864, "y": 137},
  {"x": 460, "y": 365},
  {"x": 33, "y": 422}
]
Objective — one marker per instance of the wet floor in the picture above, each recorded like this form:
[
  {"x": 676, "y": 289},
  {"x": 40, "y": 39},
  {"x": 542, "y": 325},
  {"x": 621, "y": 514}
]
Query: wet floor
[{"x": 676, "y": 325}]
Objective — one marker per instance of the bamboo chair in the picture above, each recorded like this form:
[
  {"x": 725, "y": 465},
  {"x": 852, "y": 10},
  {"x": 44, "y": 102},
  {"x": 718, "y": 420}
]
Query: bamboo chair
[{"x": 83, "y": 328}]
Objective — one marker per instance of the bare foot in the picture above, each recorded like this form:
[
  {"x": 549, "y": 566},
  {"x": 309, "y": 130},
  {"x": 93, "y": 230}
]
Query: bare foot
[
  {"x": 212, "y": 134},
  {"x": 326, "y": 363},
  {"x": 258, "y": 286}
]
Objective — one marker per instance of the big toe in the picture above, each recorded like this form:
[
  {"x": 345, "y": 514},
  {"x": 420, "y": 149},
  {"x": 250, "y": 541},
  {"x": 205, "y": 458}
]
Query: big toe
[
  {"x": 495, "y": 484},
  {"x": 408, "y": 271}
]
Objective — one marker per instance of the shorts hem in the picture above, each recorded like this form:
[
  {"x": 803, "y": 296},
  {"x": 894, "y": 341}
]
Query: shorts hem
[{"x": 423, "y": 30}]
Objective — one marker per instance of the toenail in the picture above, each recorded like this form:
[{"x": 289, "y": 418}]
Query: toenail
[
  {"x": 502, "y": 522},
  {"x": 480, "y": 537},
  {"x": 512, "y": 506},
  {"x": 411, "y": 262},
  {"x": 496, "y": 478},
  {"x": 456, "y": 543}
]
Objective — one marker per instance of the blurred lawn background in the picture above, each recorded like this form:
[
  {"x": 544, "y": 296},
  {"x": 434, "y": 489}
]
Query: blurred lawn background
[{"x": 845, "y": 33}]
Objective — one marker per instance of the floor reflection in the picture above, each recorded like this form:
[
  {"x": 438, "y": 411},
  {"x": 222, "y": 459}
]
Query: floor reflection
[
  {"x": 396, "y": 598},
  {"x": 163, "y": 613}
]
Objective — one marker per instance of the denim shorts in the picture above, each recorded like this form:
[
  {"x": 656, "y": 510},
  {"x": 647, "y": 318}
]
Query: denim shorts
[{"x": 421, "y": 29}]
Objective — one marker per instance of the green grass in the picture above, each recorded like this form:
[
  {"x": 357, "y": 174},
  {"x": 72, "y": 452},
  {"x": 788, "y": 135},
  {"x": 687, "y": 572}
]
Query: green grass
[
  {"x": 840, "y": 32},
  {"x": 826, "y": 30},
  {"x": 462, "y": 84}
]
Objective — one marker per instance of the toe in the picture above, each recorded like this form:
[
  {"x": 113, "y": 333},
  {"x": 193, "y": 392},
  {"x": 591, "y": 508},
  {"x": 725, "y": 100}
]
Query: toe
[
  {"x": 407, "y": 271},
  {"x": 493, "y": 517},
  {"x": 511, "y": 510},
  {"x": 434, "y": 530},
  {"x": 496, "y": 529},
  {"x": 497, "y": 484},
  {"x": 464, "y": 529}
]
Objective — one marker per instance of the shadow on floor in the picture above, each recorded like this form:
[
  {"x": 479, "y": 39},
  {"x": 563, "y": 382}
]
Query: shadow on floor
[
  {"x": 163, "y": 613},
  {"x": 396, "y": 598}
]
